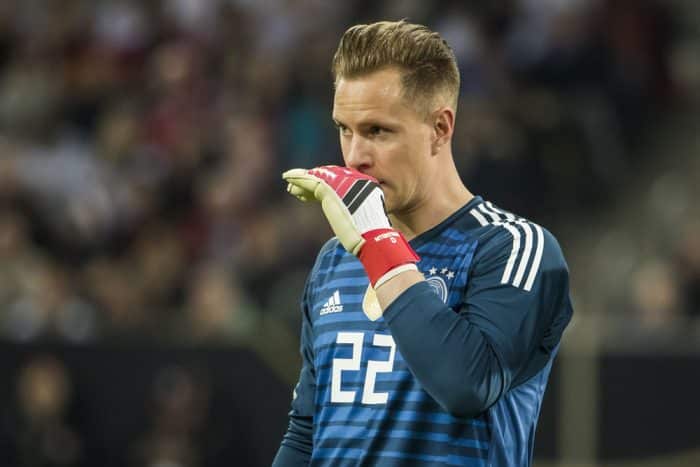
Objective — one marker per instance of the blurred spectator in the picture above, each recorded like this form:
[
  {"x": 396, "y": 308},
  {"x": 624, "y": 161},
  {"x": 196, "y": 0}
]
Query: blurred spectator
[
  {"x": 179, "y": 407},
  {"x": 688, "y": 258},
  {"x": 656, "y": 295},
  {"x": 36, "y": 296},
  {"x": 41, "y": 431},
  {"x": 217, "y": 308}
]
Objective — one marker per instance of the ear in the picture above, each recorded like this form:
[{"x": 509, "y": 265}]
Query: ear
[{"x": 443, "y": 121}]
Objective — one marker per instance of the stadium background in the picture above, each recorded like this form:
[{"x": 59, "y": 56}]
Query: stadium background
[{"x": 151, "y": 262}]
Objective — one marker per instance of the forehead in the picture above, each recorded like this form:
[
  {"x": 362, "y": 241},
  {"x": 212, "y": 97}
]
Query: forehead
[{"x": 374, "y": 93}]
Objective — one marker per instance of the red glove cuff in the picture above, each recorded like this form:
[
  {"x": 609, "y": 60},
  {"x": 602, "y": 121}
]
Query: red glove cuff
[{"x": 385, "y": 249}]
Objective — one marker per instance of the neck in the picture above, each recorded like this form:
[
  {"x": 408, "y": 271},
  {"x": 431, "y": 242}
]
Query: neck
[{"x": 446, "y": 195}]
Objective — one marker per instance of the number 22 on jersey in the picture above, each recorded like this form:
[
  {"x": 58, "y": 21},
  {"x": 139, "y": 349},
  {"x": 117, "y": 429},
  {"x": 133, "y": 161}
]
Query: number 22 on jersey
[{"x": 369, "y": 395}]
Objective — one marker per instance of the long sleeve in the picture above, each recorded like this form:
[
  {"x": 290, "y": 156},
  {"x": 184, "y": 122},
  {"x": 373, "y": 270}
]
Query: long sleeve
[
  {"x": 499, "y": 336},
  {"x": 295, "y": 449}
]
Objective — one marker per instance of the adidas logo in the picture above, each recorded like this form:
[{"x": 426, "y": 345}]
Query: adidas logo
[{"x": 333, "y": 304}]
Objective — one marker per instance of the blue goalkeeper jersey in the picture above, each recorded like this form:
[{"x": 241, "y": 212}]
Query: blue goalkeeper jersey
[{"x": 453, "y": 372}]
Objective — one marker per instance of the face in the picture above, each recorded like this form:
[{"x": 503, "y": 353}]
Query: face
[{"x": 382, "y": 136}]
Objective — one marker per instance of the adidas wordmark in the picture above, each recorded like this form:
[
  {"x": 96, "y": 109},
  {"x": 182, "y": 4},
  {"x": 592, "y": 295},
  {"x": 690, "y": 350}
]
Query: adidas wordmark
[{"x": 333, "y": 305}]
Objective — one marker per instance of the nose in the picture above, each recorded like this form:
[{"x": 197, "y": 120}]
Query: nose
[{"x": 358, "y": 153}]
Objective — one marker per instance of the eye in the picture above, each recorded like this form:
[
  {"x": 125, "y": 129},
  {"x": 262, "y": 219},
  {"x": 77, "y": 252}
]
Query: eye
[
  {"x": 375, "y": 130},
  {"x": 345, "y": 131}
]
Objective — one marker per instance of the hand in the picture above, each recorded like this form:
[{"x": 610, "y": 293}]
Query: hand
[
  {"x": 354, "y": 206},
  {"x": 352, "y": 201}
]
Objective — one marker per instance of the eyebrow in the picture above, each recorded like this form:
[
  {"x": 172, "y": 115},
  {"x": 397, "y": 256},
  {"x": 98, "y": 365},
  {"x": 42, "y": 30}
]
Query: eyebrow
[{"x": 367, "y": 123}]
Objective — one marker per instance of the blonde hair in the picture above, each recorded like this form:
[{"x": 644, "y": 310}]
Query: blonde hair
[{"x": 427, "y": 63}]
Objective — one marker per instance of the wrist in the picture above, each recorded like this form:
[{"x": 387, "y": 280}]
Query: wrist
[
  {"x": 393, "y": 273},
  {"x": 383, "y": 251}
]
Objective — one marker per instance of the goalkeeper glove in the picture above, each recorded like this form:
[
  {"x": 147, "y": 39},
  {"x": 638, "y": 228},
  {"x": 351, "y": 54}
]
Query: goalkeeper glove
[{"x": 354, "y": 206}]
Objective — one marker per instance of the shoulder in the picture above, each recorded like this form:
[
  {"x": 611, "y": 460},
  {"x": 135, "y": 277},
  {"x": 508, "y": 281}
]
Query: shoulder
[
  {"x": 331, "y": 247},
  {"x": 328, "y": 255},
  {"x": 330, "y": 251},
  {"x": 514, "y": 246}
]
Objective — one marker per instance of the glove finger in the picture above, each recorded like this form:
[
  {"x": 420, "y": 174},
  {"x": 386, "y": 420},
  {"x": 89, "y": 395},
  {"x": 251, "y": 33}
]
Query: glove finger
[
  {"x": 300, "y": 193},
  {"x": 293, "y": 173},
  {"x": 342, "y": 224},
  {"x": 305, "y": 181}
]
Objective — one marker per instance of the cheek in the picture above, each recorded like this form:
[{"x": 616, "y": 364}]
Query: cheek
[
  {"x": 417, "y": 156},
  {"x": 415, "y": 167},
  {"x": 343, "y": 148},
  {"x": 405, "y": 174}
]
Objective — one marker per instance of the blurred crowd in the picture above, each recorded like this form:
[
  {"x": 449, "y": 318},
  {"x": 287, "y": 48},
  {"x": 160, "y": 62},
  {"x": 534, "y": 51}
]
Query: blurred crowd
[
  {"x": 52, "y": 422},
  {"x": 141, "y": 145}
]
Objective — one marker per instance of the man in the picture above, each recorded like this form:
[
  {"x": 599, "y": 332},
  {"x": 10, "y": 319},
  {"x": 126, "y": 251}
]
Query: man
[{"x": 431, "y": 320}]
